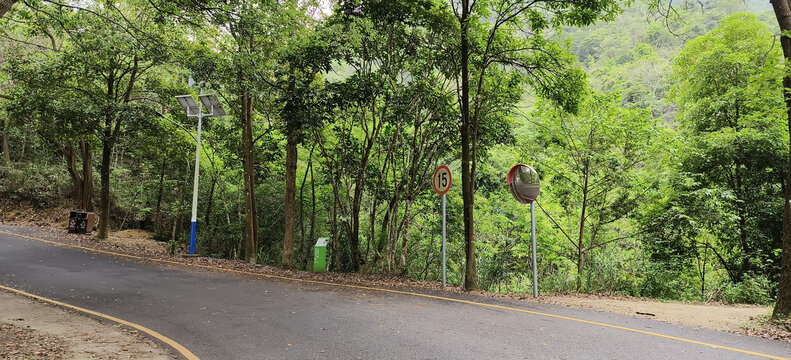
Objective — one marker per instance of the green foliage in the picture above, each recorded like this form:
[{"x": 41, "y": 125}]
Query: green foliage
[
  {"x": 718, "y": 201},
  {"x": 591, "y": 165},
  {"x": 751, "y": 290},
  {"x": 44, "y": 185},
  {"x": 639, "y": 134}
]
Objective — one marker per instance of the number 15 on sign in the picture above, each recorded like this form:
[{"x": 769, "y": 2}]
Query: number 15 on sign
[{"x": 441, "y": 183}]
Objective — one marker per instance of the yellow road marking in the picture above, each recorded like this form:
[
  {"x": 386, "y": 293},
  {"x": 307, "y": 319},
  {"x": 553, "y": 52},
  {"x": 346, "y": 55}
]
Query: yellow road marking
[
  {"x": 176, "y": 346},
  {"x": 468, "y": 302}
]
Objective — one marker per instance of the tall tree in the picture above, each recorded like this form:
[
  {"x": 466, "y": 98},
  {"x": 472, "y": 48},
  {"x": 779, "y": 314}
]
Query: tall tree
[
  {"x": 101, "y": 68},
  {"x": 728, "y": 91},
  {"x": 782, "y": 10},
  {"x": 393, "y": 80},
  {"x": 590, "y": 162},
  {"x": 307, "y": 57},
  {"x": 240, "y": 60},
  {"x": 509, "y": 34},
  {"x": 302, "y": 62}
]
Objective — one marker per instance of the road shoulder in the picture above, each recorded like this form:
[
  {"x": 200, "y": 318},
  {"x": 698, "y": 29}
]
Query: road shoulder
[{"x": 32, "y": 329}]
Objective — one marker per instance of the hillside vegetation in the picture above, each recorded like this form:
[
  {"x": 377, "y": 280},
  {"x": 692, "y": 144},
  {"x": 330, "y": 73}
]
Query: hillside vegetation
[{"x": 661, "y": 143}]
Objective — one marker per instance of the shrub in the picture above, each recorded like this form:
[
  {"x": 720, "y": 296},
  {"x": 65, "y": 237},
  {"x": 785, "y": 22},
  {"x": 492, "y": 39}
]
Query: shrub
[
  {"x": 43, "y": 185},
  {"x": 751, "y": 290}
]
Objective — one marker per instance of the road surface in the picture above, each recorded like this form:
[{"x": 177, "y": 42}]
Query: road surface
[{"x": 225, "y": 316}]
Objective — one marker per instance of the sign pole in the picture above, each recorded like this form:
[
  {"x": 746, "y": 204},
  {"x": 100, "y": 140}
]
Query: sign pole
[
  {"x": 525, "y": 186},
  {"x": 441, "y": 183},
  {"x": 533, "y": 231},
  {"x": 443, "y": 241}
]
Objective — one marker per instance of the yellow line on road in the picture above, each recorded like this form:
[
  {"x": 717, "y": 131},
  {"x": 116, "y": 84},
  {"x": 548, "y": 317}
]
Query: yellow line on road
[
  {"x": 468, "y": 302},
  {"x": 170, "y": 342}
]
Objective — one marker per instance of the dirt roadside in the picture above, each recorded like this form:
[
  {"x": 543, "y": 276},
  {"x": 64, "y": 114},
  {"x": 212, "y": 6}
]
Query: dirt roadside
[
  {"x": 30, "y": 329},
  {"x": 741, "y": 319}
]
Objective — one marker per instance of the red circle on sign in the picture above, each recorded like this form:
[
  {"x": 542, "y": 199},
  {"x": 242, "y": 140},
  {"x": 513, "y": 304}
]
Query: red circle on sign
[{"x": 434, "y": 180}]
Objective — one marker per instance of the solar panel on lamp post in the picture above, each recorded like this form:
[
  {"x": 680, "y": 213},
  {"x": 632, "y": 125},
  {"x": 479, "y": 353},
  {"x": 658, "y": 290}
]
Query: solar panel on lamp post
[{"x": 191, "y": 107}]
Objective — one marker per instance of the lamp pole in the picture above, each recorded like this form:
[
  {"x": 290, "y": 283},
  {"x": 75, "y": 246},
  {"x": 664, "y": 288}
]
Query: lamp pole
[
  {"x": 191, "y": 107},
  {"x": 194, "y": 219}
]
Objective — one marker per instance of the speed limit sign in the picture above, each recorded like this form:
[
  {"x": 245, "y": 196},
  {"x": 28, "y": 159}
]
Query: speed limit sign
[
  {"x": 442, "y": 180},
  {"x": 441, "y": 183}
]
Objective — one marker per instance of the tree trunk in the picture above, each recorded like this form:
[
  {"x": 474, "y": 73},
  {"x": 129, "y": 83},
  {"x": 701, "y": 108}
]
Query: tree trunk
[
  {"x": 5, "y": 6},
  {"x": 354, "y": 219},
  {"x": 307, "y": 241},
  {"x": 782, "y": 9},
  {"x": 467, "y": 180},
  {"x": 158, "y": 210},
  {"x": 336, "y": 251},
  {"x": 382, "y": 240},
  {"x": 82, "y": 180},
  {"x": 207, "y": 218},
  {"x": 251, "y": 218},
  {"x": 703, "y": 274},
  {"x": 304, "y": 241},
  {"x": 742, "y": 211},
  {"x": 176, "y": 218},
  {"x": 312, "y": 214},
  {"x": 353, "y": 226},
  {"x": 86, "y": 200},
  {"x": 71, "y": 166},
  {"x": 581, "y": 237},
  {"x": 6, "y": 151},
  {"x": 291, "y": 191},
  {"x": 372, "y": 230},
  {"x": 104, "y": 174},
  {"x": 405, "y": 237}
]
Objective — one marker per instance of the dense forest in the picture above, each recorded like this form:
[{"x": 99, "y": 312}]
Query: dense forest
[{"x": 661, "y": 140}]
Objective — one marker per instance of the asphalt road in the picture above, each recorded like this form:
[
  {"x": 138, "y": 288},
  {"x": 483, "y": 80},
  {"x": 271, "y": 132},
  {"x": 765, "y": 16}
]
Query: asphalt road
[{"x": 225, "y": 316}]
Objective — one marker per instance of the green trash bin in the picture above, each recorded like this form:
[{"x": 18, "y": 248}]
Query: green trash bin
[{"x": 320, "y": 255}]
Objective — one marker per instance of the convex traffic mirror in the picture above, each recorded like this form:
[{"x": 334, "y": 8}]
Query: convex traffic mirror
[{"x": 524, "y": 183}]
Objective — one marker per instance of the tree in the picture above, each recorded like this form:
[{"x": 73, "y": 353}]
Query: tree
[
  {"x": 112, "y": 75},
  {"x": 6, "y": 150},
  {"x": 508, "y": 34},
  {"x": 305, "y": 108},
  {"x": 101, "y": 72},
  {"x": 591, "y": 161},
  {"x": 241, "y": 60},
  {"x": 390, "y": 109},
  {"x": 782, "y": 10},
  {"x": 60, "y": 121},
  {"x": 728, "y": 91},
  {"x": 58, "y": 116}
]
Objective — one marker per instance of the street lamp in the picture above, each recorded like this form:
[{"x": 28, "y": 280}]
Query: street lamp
[{"x": 191, "y": 107}]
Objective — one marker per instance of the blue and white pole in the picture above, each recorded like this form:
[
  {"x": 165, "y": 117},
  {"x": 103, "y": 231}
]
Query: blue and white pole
[{"x": 194, "y": 219}]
